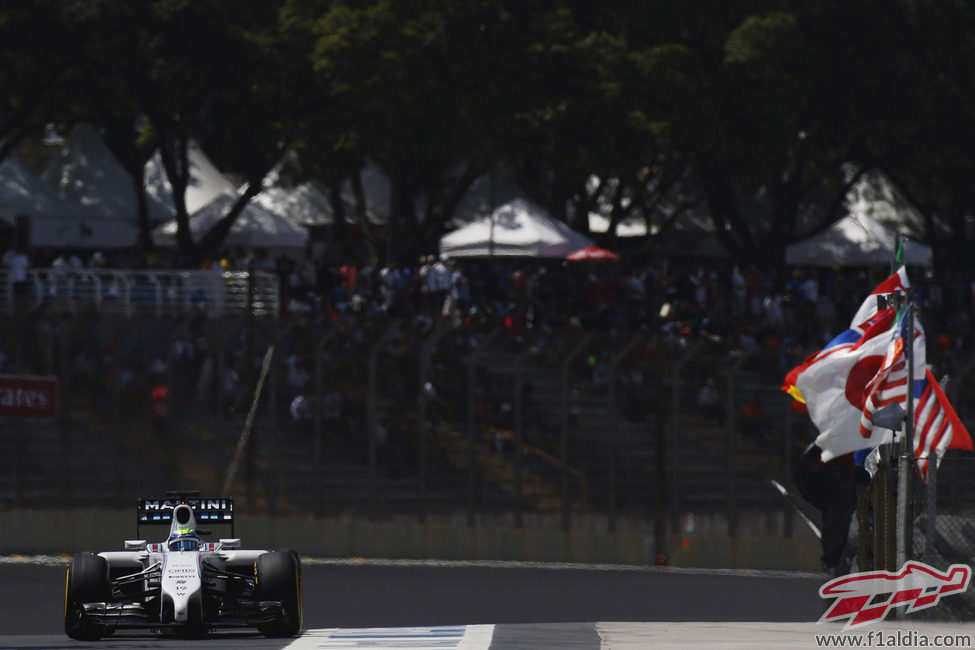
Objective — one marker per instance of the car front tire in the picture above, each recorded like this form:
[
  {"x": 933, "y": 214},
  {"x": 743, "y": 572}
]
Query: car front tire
[
  {"x": 279, "y": 578},
  {"x": 86, "y": 582}
]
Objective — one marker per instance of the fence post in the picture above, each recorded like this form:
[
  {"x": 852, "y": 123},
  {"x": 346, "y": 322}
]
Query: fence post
[
  {"x": 883, "y": 507},
  {"x": 64, "y": 365},
  {"x": 170, "y": 370},
  {"x": 426, "y": 352},
  {"x": 905, "y": 460},
  {"x": 931, "y": 511},
  {"x": 471, "y": 380},
  {"x": 732, "y": 432},
  {"x": 519, "y": 439},
  {"x": 614, "y": 428},
  {"x": 675, "y": 419},
  {"x": 8, "y": 286},
  {"x": 787, "y": 461},
  {"x": 318, "y": 402},
  {"x": 371, "y": 411},
  {"x": 565, "y": 426},
  {"x": 273, "y": 386},
  {"x": 221, "y": 380}
]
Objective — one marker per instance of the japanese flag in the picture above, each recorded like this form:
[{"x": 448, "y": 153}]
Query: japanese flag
[{"x": 834, "y": 386}]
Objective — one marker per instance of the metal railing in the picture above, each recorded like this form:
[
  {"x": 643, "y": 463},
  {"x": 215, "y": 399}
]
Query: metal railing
[{"x": 134, "y": 292}]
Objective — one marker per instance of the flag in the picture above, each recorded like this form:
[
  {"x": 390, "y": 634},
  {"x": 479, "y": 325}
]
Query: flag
[
  {"x": 896, "y": 283},
  {"x": 864, "y": 317},
  {"x": 833, "y": 386},
  {"x": 890, "y": 385},
  {"x": 879, "y": 322},
  {"x": 936, "y": 425}
]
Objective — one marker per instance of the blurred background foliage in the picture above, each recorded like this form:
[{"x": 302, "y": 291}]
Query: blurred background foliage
[{"x": 760, "y": 113}]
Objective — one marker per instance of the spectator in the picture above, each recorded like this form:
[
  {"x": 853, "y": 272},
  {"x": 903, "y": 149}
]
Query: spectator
[
  {"x": 709, "y": 402},
  {"x": 460, "y": 292},
  {"x": 440, "y": 282},
  {"x": 831, "y": 488},
  {"x": 18, "y": 265},
  {"x": 159, "y": 407},
  {"x": 739, "y": 290},
  {"x": 233, "y": 389},
  {"x": 97, "y": 260},
  {"x": 754, "y": 419},
  {"x": 302, "y": 407},
  {"x": 332, "y": 407}
]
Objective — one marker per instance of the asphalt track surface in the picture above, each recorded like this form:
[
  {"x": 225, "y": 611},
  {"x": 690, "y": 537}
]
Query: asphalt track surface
[{"x": 528, "y": 605}]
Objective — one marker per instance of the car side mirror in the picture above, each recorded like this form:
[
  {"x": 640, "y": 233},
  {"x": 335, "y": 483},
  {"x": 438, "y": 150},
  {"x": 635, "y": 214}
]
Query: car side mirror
[
  {"x": 135, "y": 545},
  {"x": 231, "y": 542}
]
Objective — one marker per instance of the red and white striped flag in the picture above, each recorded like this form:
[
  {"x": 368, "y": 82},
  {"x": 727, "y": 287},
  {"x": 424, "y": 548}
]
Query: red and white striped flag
[
  {"x": 889, "y": 386},
  {"x": 936, "y": 425}
]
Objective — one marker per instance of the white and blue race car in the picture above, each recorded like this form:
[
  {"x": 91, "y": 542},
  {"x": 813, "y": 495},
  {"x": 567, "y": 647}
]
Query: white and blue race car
[{"x": 183, "y": 585}]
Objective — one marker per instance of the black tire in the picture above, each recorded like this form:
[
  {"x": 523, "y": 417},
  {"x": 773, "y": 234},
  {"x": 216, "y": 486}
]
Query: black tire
[
  {"x": 279, "y": 578},
  {"x": 86, "y": 582},
  {"x": 295, "y": 555}
]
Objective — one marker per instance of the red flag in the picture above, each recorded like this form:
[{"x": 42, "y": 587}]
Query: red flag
[{"x": 936, "y": 425}]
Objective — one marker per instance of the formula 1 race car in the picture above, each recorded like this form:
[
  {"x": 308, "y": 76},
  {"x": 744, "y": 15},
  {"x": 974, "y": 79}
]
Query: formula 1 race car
[{"x": 183, "y": 585}]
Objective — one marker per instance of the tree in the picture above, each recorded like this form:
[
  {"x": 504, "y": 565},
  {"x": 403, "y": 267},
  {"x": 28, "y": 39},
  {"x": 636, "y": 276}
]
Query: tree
[
  {"x": 36, "y": 61},
  {"x": 773, "y": 160},
  {"x": 924, "y": 140},
  {"x": 395, "y": 76},
  {"x": 215, "y": 71}
]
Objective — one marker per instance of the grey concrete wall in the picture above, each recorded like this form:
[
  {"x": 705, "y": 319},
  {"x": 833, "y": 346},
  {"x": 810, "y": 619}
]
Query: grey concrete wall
[{"x": 540, "y": 539}]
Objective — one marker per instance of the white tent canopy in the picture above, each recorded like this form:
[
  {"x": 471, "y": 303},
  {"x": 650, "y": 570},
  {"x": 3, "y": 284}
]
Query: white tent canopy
[
  {"x": 255, "y": 227},
  {"x": 875, "y": 195},
  {"x": 205, "y": 184},
  {"x": 309, "y": 203},
  {"x": 517, "y": 228},
  {"x": 304, "y": 204},
  {"x": 86, "y": 172},
  {"x": 23, "y": 193},
  {"x": 53, "y": 221},
  {"x": 856, "y": 240}
]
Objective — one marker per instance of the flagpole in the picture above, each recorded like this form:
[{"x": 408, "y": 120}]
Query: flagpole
[{"x": 907, "y": 444}]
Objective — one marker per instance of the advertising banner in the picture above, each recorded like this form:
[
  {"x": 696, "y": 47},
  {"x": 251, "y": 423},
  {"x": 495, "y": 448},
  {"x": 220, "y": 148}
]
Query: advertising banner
[{"x": 28, "y": 397}]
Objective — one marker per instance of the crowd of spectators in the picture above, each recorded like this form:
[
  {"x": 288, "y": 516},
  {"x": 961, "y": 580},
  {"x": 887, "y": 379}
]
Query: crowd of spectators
[
  {"x": 540, "y": 304},
  {"x": 736, "y": 307},
  {"x": 679, "y": 299}
]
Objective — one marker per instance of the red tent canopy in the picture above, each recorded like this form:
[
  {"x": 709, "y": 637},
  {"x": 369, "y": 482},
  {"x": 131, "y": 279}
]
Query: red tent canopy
[{"x": 591, "y": 253}]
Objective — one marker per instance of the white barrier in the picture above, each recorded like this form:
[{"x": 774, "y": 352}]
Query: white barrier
[{"x": 135, "y": 292}]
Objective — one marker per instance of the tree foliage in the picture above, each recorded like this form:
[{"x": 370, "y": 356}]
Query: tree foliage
[{"x": 759, "y": 113}]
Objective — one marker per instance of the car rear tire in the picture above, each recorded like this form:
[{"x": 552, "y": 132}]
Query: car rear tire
[
  {"x": 279, "y": 578},
  {"x": 86, "y": 582}
]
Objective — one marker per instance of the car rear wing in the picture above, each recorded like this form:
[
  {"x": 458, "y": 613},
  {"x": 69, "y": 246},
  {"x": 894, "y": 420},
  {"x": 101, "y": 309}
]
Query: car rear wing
[{"x": 206, "y": 510}]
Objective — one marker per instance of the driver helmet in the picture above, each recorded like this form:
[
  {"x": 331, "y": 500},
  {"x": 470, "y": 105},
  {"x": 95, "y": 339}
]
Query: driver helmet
[{"x": 184, "y": 539}]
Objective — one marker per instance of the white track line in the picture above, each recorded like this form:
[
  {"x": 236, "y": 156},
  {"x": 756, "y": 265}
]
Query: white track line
[{"x": 452, "y": 637}]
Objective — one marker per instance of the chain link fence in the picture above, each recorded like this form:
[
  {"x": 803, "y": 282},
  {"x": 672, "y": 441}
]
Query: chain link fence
[{"x": 365, "y": 415}]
